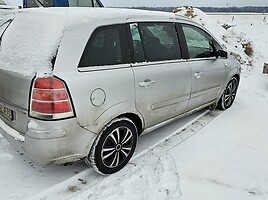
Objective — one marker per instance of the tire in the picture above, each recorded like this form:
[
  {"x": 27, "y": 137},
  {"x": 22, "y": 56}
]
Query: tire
[
  {"x": 229, "y": 94},
  {"x": 114, "y": 146}
]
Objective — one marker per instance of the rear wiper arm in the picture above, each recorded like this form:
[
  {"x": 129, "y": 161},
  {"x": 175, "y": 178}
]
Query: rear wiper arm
[{"x": 8, "y": 21}]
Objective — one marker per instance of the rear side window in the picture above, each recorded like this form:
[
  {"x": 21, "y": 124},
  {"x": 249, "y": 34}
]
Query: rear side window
[
  {"x": 107, "y": 46},
  {"x": 200, "y": 44},
  {"x": 159, "y": 40}
]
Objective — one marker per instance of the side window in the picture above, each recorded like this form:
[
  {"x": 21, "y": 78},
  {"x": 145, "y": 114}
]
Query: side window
[
  {"x": 160, "y": 41},
  {"x": 106, "y": 47},
  {"x": 200, "y": 44}
]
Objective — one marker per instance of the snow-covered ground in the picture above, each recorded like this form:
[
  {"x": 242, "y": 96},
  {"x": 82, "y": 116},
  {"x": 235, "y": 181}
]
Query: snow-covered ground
[{"x": 221, "y": 155}]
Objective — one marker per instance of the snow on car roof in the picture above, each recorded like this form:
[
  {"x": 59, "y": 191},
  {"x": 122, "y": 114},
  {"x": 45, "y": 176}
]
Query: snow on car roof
[
  {"x": 100, "y": 12},
  {"x": 30, "y": 43},
  {"x": 32, "y": 40}
]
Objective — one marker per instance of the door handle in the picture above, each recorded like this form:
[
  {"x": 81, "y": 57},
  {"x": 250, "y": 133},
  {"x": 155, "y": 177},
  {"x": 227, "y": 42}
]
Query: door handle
[
  {"x": 146, "y": 83},
  {"x": 198, "y": 74}
]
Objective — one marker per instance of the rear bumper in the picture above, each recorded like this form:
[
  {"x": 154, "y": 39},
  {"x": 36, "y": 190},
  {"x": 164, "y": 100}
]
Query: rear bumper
[{"x": 56, "y": 142}]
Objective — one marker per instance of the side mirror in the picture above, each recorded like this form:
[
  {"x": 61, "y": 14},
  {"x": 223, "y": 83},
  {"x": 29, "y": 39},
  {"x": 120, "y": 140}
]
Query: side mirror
[{"x": 221, "y": 53}]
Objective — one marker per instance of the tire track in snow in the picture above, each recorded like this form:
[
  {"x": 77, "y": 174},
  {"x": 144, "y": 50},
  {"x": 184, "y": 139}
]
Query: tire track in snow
[{"x": 89, "y": 184}]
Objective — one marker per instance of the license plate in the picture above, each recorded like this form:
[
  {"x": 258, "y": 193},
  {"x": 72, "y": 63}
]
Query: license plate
[{"x": 6, "y": 112}]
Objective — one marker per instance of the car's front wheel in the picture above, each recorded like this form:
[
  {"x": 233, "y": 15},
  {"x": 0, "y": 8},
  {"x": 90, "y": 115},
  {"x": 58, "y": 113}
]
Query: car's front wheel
[
  {"x": 229, "y": 94},
  {"x": 114, "y": 147}
]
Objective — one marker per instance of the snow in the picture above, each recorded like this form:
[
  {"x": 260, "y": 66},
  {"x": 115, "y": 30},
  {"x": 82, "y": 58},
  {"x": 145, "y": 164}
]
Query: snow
[
  {"x": 222, "y": 155},
  {"x": 161, "y": 180},
  {"x": 31, "y": 42},
  {"x": 6, "y": 12},
  {"x": 13, "y": 2},
  {"x": 13, "y": 133}
]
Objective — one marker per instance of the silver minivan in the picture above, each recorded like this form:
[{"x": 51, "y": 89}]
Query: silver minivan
[{"x": 85, "y": 83}]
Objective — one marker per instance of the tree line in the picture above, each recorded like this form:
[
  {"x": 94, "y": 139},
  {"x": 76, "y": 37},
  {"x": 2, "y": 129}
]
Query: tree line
[{"x": 251, "y": 9}]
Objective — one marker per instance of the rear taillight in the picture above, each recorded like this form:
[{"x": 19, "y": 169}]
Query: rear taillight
[{"x": 50, "y": 99}]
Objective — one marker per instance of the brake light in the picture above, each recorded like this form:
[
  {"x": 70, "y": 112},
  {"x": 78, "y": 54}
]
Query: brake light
[{"x": 50, "y": 99}]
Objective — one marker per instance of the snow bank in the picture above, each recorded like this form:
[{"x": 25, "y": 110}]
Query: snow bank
[
  {"x": 31, "y": 42},
  {"x": 231, "y": 40}
]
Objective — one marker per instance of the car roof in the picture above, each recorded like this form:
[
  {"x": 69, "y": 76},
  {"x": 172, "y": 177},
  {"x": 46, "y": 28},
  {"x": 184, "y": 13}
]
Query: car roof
[
  {"x": 40, "y": 32},
  {"x": 104, "y": 13}
]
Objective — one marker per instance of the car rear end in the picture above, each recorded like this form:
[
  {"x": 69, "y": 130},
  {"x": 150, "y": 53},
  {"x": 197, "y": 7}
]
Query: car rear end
[{"x": 37, "y": 114}]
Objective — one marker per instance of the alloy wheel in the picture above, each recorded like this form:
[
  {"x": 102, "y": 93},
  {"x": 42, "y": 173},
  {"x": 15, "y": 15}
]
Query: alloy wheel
[
  {"x": 230, "y": 93},
  {"x": 117, "y": 147}
]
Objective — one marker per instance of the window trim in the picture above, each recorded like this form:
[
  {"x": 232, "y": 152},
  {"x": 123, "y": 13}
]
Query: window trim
[
  {"x": 124, "y": 45},
  {"x": 182, "y": 41},
  {"x": 131, "y": 46}
]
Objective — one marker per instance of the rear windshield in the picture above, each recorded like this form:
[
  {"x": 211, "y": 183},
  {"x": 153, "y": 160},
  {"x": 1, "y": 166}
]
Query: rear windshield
[{"x": 30, "y": 43}]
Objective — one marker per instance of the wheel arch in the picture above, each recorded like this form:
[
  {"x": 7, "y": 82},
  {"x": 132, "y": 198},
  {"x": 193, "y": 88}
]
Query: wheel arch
[
  {"x": 136, "y": 119},
  {"x": 237, "y": 76},
  {"x": 235, "y": 72},
  {"x": 124, "y": 109}
]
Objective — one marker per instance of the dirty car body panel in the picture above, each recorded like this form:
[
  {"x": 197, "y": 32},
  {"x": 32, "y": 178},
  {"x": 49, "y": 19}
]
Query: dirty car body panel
[{"x": 81, "y": 82}]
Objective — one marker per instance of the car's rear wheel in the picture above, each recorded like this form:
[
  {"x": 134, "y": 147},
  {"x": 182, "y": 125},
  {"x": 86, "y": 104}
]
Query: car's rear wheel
[
  {"x": 114, "y": 147},
  {"x": 229, "y": 94}
]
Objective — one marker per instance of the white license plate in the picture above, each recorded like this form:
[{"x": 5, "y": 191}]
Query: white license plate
[{"x": 6, "y": 112}]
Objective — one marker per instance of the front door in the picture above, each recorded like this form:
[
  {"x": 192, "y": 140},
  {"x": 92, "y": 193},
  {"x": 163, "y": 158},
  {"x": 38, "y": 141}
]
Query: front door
[
  {"x": 208, "y": 72},
  {"x": 207, "y": 79}
]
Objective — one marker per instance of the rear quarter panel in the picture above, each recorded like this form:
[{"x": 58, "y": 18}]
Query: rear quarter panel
[
  {"x": 117, "y": 82},
  {"x": 117, "y": 86}
]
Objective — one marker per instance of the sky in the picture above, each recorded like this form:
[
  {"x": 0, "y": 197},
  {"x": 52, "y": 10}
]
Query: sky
[{"x": 167, "y": 3}]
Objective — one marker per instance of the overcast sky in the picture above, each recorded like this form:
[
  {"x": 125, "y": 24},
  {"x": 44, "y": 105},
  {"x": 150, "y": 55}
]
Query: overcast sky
[{"x": 167, "y": 3}]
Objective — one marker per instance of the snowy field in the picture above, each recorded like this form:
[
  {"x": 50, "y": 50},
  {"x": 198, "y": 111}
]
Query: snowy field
[{"x": 206, "y": 156}]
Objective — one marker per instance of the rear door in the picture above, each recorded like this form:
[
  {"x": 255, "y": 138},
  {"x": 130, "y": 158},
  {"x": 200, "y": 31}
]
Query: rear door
[
  {"x": 106, "y": 85},
  {"x": 208, "y": 72},
  {"x": 162, "y": 77}
]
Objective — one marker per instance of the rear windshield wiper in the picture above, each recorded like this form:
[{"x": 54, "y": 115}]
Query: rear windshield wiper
[{"x": 9, "y": 22}]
